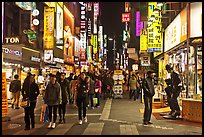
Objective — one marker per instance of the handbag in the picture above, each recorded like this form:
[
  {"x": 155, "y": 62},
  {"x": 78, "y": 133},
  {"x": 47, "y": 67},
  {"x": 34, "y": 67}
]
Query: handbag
[
  {"x": 95, "y": 101},
  {"x": 25, "y": 103},
  {"x": 96, "y": 90}
]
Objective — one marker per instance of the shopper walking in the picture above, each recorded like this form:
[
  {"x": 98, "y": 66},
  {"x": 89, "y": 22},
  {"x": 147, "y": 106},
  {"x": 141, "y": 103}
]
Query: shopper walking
[
  {"x": 176, "y": 84},
  {"x": 15, "y": 88},
  {"x": 30, "y": 91},
  {"x": 91, "y": 91},
  {"x": 53, "y": 98},
  {"x": 98, "y": 86},
  {"x": 64, "y": 88},
  {"x": 73, "y": 89},
  {"x": 137, "y": 85},
  {"x": 149, "y": 91},
  {"x": 82, "y": 93}
]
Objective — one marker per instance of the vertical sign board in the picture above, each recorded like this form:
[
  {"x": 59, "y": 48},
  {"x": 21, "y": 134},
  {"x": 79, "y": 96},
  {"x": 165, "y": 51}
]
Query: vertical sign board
[
  {"x": 145, "y": 59},
  {"x": 59, "y": 25},
  {"x": 100, "y": 40},
  {"x": 96, "y": 12},
  {"x": 126, "y": 17},
  {"x": 48, "y": 27},
  {"x": 83, "y": 32},
  {"x": 89, "y": 31},
  {"x": 95, "y": 44},
  {"x": 155, "y": 28},
  {"x": 137, "y": 23},
  {"x": 143, "y": 40},
  {"x": 4, "y": 95}
]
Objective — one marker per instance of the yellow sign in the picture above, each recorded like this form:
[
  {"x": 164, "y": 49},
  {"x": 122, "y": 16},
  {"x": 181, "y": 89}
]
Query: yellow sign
[
  {"x": 50, "y": 4},
  {"x": 61, "y": 4},
  {"x": 95, "y": 44},
  {"x": 118, "y": 72},
  {"x": 143, "y": 40},
  {"x": 4, "y": 95},
  {"x": 154, "y": 27},
  {"x": 49, "y": 27}
]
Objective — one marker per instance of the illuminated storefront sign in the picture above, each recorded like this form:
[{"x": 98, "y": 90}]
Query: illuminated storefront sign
[
  {"x": 25, "y": 5},
  {"x": 50, "y": 4},
  {"x": 83, "y": 32},
  {"x": 96, "y": 12},
  {"x": 48, "y": 56},
  {"x": 89, "y": 53},
  {"x": 48, "y": 28},
  {"x": 59, "y": 26},
  {"x": 143, "y": 40},
  {"x": 100, "y": 41},
  {"x": 11, "y": 51},
  {"x": 35, "y": 59},
  {"x": 138, "y": 23},
  {"x": 89, "y": 28},
  {"x": 196, "y": 19},
  {"x": 95, "y": 44},
  {"x": 12, "y": 40},
  {"x": 32, "y": 36},
  {"x": 176, "y": 32},
  {"x": 154, "y": 28},
  {"x": 58, "y": 60},
  {"x": 125, "y": 17},
  {"x": 145, "y": 59},
  {"x": 76, "y": 47}
]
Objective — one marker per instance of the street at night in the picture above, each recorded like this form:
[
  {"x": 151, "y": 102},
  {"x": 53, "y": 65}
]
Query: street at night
[{"x": 101, "y": 68}]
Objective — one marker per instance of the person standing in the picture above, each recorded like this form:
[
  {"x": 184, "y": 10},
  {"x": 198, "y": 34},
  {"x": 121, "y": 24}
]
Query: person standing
[
  {"x": 30, "y": 90},
  {"x": 176, "y": 85},
  {"x": 15, "y": 88},
  {"x": 91, "y": 91},
  {"x": 82, "y": 93},
  {"x": 149, "y": 91},
  {"x": 133, "y": 87},
  {"x": 64, "y": 83},
  {"x": 53, "y": 98},
  {"x": 137, "y": 85},
  {"x": 73, "y": 89}
]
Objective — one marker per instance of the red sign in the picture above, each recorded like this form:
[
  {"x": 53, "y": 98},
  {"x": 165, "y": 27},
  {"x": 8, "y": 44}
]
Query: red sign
[{"x": 125, "y": 17}]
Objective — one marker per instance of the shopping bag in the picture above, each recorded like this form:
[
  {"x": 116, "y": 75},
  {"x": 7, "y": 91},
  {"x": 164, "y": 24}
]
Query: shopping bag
[
  {"x": 95, "y": 101},
  {"x": 96, "y": 90},
  {"x": 44, "y": 113},
  {"x": 25, "y": 103}
]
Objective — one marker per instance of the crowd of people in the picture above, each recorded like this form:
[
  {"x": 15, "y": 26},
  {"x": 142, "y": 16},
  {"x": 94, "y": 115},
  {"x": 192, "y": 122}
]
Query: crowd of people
[{"x": 84, "y": 91}]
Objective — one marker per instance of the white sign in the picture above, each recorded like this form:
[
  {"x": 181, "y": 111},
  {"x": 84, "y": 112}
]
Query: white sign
[
  {"x": 196, "y": 19},
  {"x": 59, "y": 25},
  {"x": 36, "y": 59},
  {"x": 58, "y": 60},
  {"x": 11, "y": 51},
  {"x": 36, "y": 22},
  {"x": 145, "y": 59},
  {"x": 100, "y": 40},
  {"x": 48, "y": 56},
  {"x": 96, "y": 10},
  {"x": 12, "y": 40},
  {"x": 35, "y": 12},
  {"x": 176, "y": 32}
]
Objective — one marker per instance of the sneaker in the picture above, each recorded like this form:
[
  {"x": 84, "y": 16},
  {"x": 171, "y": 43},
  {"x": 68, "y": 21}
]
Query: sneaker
[
  {"x": 85, "y": 119},
  {"x": 80, "y": 122},
  {"x": 53, "y": 125},
  {"x": 50, "y": 125}
]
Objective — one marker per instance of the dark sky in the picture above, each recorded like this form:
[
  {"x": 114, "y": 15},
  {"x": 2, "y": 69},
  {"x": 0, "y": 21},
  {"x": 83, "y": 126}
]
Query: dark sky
[
  {"x": 111, "y": 14},
  {"x": 111, "y": 19}
]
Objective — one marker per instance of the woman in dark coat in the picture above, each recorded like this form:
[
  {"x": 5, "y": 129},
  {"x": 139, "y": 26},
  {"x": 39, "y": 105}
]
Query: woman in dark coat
[{"x": 30, "y": 90}]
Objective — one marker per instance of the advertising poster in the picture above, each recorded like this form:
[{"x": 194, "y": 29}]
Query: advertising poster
[
  {"x": 49, "y": 27},
  {"x": 154, "y": 29},
  {"x": 59, "y": 26},
  {"x": 48, "y": 56},
  {"x": 4, "y": 95}
]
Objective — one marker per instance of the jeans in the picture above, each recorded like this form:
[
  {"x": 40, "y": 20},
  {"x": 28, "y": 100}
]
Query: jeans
[
  {"x": 62, "y": 107},
  {"x": 148, "y": 108},
  {"x": 29, "y": 115},
  {"x": 81, "y": 103},
  {"x": 54, "y": 108}
]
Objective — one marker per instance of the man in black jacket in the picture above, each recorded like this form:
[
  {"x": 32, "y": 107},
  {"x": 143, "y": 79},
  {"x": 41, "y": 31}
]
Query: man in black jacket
[
  {"x": 149, "y": 91},
  {"x": 176, "y": 89}
]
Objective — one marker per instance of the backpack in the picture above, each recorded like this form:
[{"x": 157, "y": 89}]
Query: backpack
[{"x": 14, "y": 86}]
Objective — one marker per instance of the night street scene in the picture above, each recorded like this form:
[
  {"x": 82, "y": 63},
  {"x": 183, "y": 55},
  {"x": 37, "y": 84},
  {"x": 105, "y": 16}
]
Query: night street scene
[{"x": 102, "y": 68}]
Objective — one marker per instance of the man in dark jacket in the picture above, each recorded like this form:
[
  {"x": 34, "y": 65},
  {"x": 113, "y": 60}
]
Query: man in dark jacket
[
  {"x": 15, "y": 88},
  {"x": 30, "y": 90},
  {"x": 176, "y": 89},
  {"x": 64, "y": 83},
  {"x": 91, "y": 91},
  {"x": 149, "y": 91}
]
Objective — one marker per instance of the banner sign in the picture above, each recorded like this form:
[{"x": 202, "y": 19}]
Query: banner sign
[
  {"x": 138, "y": 23},
  {"x": 4, "y": 95},
  {"x": 154, "y": 28},
  {"x": 59, "y": 26},
  {"x": 143, "y": 40},
  {"x": 100, "y": 41},
  {"x": 176, "y": 32},
  {"x": 49, "y": 27},
  {"x": 48, "y": 56},
  {"x": 95, "y": 44},
  {"x": 96, "y": 13}
]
